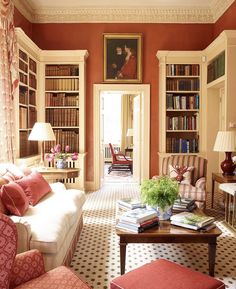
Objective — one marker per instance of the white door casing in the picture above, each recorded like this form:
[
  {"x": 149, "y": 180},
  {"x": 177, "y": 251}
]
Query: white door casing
[{"x": 139, "y": 89}]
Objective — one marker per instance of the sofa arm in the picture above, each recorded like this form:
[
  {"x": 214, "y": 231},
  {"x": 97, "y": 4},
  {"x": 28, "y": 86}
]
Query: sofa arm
[
  {"x": 201, "y": 183},
  {"x": 24, "y": 234},
  {"x": 27, "y": 266}
]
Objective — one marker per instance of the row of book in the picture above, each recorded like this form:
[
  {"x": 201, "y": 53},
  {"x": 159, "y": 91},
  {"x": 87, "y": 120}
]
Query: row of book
[
  {"x": 23, "y": 55},
  {"x": 69, "y": 84},
  {"x": 182, "y": 69},
  {"x": 138, "y": 220},
  {"x": 193, "y": 221},
  {"x": 182, "y": 122},
  {"x": 32, "y": 81},
  {"x": 62, "y": 70},
  {"x": 23, "y": 78},
  {"x": 32, "y": 116},
  {"x": 62, "y": 116},
  {"x": 184, "y": 205},
  {"x": 181, "y": 145},
  {"x": 61, "y": 99},
  {"x": 23, "y": 66},
  {"x": 23, "y": 95},
  {"x": 182, "y": 84},
  {"x": 32, "y": 97},
  {"x": 182, "y": 101},
  {"x": 64, "y": 137},
  {"x": 32, "y": 65},
  {"x": 23, "y": 117},
  {"x": 27, "y": 148},
  {"x": 216, "y": 68}
]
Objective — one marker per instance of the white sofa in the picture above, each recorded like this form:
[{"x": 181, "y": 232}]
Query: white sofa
[{"x": 53, "y": 225}]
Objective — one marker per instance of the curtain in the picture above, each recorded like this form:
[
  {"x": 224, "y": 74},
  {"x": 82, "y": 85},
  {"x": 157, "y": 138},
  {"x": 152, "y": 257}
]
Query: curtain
[
  {"x": 8, "y": 81},
  {"x": 126, "y": 119}
]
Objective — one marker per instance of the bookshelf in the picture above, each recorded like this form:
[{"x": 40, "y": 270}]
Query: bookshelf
[
  {"x": 64, "y": 102},
  {"x": 27, "y": 102},
  {"x": 180, "y": 102}
]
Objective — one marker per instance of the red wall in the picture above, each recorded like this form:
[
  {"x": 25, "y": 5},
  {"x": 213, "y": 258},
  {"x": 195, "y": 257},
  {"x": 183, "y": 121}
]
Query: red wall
[
  {"x": 155, "y": 37},
  {"x": 21, "y": 21}
]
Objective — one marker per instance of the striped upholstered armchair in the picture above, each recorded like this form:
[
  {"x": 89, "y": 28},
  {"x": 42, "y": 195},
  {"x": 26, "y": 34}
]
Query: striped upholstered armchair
[{"x": 196, "y": 188}]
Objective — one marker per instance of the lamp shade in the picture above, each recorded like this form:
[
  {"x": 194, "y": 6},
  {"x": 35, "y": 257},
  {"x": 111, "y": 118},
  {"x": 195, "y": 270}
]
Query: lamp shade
[
  {"x": 42, "y": 131},
  {"x": 129, "y": 132},
  {"x": 225, "y": 141}
]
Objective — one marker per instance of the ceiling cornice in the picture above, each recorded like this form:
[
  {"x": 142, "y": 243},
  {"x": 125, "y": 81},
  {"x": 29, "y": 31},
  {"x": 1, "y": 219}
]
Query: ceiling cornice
[{"x": 124, "y": 15}]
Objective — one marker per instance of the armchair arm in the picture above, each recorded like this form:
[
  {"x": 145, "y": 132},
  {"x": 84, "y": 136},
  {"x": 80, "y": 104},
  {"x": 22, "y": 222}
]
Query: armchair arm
[
  {"x": 23, "y": 232},
  {"x": 201, "y": 183},
  {"x": 27, "y": 266}
]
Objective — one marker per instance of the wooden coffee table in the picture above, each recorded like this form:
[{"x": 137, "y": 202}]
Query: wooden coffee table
[{"x": 167, "y": 233}]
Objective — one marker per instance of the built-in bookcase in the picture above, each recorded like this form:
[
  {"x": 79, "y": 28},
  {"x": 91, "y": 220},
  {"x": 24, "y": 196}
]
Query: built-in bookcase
[
  {"x": 180, "y": 102},
  {"x": 27, "y": 102},
  {"x": 62, "y": 104},
  {"x": 182, "y": 108}
]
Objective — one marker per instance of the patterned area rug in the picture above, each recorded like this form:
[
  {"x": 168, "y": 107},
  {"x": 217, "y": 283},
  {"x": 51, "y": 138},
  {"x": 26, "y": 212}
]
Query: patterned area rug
[
  {"x": 117, "y": 176},
  {"x": 96, "y": 259}
]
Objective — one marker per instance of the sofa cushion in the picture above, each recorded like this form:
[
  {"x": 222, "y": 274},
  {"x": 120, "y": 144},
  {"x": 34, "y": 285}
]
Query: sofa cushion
[
  {"x": 53, "y": 216},
  {"x": 34, "y": 186},
  {"x": 14, "y": 199}
]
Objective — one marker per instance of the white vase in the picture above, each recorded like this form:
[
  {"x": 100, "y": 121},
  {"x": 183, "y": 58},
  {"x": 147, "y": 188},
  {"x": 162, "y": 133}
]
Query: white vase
[
  {"x": 61, "y": 164},
  {"x": 164, "y": 214}
]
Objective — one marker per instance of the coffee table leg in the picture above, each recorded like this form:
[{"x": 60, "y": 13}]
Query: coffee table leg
[
  {"x": 212, "y": 257},
  {"x": 122, "y": 257},
  {"x": 212, "y": 193}
]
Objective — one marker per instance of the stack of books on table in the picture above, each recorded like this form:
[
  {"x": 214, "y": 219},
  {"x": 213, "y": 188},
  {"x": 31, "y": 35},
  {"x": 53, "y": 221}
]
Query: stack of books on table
[
  {"x": 193, "y": 221},
  {"x": 184, "y": 205},
  {"x": 138, "y": 220},
  {"x": 130, "y": 204}
]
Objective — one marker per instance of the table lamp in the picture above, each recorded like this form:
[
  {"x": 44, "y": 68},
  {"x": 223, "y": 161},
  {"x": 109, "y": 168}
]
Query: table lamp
[
  {"x": 130, "y": 133},
  {"x": 226, "y": 142},
  {"x": 42, "y": 131}
]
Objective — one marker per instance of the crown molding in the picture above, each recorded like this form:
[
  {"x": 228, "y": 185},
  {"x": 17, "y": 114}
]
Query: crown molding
[
  {"x": 124, "y": 15},
  {"x": 219, "y": 7}
]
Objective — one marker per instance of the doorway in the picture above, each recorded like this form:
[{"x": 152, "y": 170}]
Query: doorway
[{"x": 141, "y": 136}]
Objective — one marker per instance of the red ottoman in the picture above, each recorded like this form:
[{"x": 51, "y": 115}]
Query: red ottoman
[{"x": 163, "y": 274}]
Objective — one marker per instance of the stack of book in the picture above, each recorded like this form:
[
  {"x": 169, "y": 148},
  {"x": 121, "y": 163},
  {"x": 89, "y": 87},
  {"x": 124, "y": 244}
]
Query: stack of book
[
  {"x": 184, "y": 205},
  {"x": 138, "y": 220},
  {"x": 193, "y": 221},
  {"x": 130, "y": 204}
]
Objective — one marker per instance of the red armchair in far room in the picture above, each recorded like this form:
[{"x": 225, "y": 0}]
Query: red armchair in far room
[{"x": 120, "y": 162}]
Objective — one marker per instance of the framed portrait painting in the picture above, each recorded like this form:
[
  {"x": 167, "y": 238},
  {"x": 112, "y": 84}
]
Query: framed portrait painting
[{"x": 122, "y": 58}]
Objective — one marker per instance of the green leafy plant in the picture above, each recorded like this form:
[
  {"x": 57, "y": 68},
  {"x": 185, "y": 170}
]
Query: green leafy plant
[{"x": 161, "y": 192}]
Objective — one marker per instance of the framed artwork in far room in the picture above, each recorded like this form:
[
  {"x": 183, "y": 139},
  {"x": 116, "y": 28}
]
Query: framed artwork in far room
[{"x": 122, "y": 57}]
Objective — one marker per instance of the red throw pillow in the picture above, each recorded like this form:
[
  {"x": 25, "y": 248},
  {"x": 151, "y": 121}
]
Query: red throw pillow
[
  {"x": 14, "y": 199},
  {"x": 34, "y": 186}
]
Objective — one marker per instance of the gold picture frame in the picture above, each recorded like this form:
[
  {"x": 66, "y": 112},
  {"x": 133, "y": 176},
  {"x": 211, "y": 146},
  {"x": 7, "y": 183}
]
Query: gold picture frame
[{"x": 122, "y": 57}]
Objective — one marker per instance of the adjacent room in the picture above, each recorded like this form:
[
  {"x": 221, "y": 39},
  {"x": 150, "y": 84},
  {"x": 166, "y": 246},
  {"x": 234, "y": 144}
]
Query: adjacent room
[{"x": 118, "y": 144}]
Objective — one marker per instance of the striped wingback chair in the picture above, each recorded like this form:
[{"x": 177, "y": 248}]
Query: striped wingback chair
[{"x": 197, "y": 189}]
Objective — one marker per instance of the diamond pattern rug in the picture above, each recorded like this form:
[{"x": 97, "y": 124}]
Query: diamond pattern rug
[{"x": 97, "y": 255}]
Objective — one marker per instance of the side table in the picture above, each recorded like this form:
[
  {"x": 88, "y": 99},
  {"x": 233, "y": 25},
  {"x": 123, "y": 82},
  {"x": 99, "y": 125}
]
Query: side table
[
  {"x": 230, "y": 204},
  {"x": 52, "y": 174},
  {"x": 128, "y": 150},
  {"x": 219, "y": 178}
]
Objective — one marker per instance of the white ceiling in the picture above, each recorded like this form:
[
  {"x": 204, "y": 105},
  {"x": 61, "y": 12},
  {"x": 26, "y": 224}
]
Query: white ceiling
[{"x": 123, "y": 11}]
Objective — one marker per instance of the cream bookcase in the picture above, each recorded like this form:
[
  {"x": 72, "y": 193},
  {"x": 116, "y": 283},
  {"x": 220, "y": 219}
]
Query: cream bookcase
[
  {"x": 219, "y": 86},
  {"x": 180, "y": 102},
  {"x": 61, "y": 99}
]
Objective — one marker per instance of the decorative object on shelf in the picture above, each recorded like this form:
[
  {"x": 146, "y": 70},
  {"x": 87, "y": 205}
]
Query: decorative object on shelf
[
  {"x": 160, "y": 193},
  {"x": 61, "y": 157},
  {"x": 42, "y": 131},
  {"x": 226, "y": 142},
  {"x": 122, "y": 57}
]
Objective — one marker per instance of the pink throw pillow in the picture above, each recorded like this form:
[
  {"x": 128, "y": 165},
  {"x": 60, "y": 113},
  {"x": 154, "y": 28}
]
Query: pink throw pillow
[
  {"x": 34, "y": 186},
  {"x": 14, "y": 199}
]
